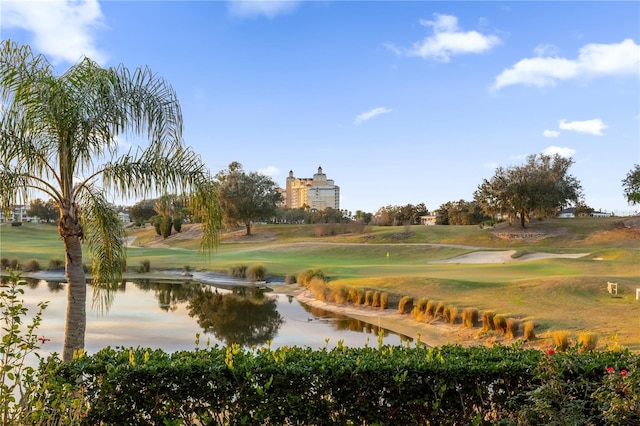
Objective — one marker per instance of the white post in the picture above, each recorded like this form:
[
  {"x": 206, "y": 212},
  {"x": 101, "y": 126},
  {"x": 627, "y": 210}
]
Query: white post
[{"x": 637, "y": 293}]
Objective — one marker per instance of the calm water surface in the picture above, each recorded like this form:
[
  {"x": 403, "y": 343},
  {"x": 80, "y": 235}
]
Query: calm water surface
[{"x": 169, "y": 315}]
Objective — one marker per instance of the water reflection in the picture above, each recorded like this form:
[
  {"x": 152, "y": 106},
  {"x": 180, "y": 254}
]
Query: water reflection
[
  {"x": 242, "y": 316},
  {"x": 169, "y": 314}
]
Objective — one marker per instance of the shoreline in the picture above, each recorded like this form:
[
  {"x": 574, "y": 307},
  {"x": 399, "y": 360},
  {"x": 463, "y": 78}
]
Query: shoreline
[{"x": 431, "y": 335}]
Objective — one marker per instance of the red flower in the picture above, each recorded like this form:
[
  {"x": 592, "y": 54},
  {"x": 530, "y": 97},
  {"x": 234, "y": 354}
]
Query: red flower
[
  {"x": 624, "y": 372},
  {"x": 550, "y": 352},
  {"x": 609, "y": 370},
  {"x": 43, "y": 339}
]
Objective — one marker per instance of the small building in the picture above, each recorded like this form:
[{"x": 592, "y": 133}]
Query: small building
[
  {"x": 428, "y": 219},
  {"x": 567, "y": 213},
  {"x": 601, "y": 214}
]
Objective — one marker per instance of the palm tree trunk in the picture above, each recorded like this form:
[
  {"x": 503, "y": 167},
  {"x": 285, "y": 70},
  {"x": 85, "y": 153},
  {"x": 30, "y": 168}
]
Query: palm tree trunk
[{"x": 76, "y": 320}]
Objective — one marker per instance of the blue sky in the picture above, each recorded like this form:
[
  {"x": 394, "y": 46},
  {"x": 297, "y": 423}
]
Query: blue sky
[{"x": 399, "y": 102}]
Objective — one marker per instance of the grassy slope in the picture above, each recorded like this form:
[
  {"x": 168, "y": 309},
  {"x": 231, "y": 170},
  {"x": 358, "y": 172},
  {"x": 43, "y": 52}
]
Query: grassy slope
[{"x": 554, "y": 293}]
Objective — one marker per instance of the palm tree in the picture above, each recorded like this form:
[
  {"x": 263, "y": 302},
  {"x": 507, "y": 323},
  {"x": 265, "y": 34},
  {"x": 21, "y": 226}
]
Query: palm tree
[{"x": 58, "y": 135}]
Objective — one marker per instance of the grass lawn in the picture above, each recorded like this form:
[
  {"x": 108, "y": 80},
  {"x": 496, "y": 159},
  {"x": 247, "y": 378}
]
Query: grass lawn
[{"x": 554, "y": 293}]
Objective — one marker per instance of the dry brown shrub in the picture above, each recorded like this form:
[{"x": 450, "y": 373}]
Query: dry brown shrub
[
  {"x": 529, "y": 334},
  {"x": 405, "y": 305},
  {"x": 500, "y": 324},
  {"x": 376, "y": 299},
  {"x": 368, "y": 298},
  {"x": 470, "y": 317},
  {"x": 513, "y": 327},
  {"x": 384, "y": 300},
  {"x": 487, "y": 320},
  {"x": 439, "y": 309},
  {"x": 561, "y": 340}
]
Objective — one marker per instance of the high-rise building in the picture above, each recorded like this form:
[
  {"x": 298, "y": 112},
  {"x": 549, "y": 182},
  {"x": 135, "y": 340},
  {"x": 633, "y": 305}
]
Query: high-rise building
[{"x": 317, "y": 192}]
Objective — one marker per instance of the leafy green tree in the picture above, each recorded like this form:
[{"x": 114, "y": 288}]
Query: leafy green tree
[
  {"x": 541, "y": 187},
  {"x": 59, "y": 134},
  {"x": 631, "y": 185},
  {"x": 43, "y": 211},
  {"x": 142, "y": 211},
  {"x": 460, "y": 213},
  {"x": 246, "y": 197}
]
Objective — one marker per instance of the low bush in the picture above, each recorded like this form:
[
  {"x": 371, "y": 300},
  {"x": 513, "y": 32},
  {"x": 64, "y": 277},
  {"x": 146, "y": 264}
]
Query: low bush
[
  {"x": 453, "y": 314},
  {"x": 4, "y": 263},
  {"x": 587, "y": 341},
  {"x": 15, "y": 264},
  {"x": 384, "y": 300},
  {"x": 375, "y": 302},
  {"x": 320, "y": 289},
  {"x": 290, "y": 279},
  {"x": 340, "y": 294},
  {"x": 405, "y": 305},
  {"x": 306, "y": 276},
  {"x": 237, "y": 271},
  {"x": 529, "y": 332},
  {"x": 470, "y": 317},
  {"x": 448, "y": 385},
  {"x": 430, "y": 309},
  {"x": 500, "y": 324},
  {"x": 513, "y": 327},
  {"x": 32, "y": 265},
  {"x": 55, "y": 264},
  {"x": 256, "y": 272},
  {"x": 561, "y": 340},
  {"x": 145, "y": 266}
]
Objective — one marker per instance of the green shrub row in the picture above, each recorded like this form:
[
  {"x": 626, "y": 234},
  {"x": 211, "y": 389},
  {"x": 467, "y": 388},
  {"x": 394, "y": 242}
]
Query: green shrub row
[{"x": 449, "y": 385}]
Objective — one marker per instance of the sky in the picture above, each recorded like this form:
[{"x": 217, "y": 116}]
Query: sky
[{"x": 398, "y": 101}]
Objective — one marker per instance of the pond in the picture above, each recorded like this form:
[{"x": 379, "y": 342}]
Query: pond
[{"x": 170, "y": 314}]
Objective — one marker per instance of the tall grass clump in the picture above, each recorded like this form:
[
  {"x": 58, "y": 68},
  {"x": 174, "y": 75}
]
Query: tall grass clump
[
  {"x": 422, "y": 304},
  {"x": 513, "y": 327},
  {"x": 32, "y": 265},
  {"x": 384, "y": 300},
  {"x": 145, "y": 266},
  {"x": 561, "y": 340},
  {"x": 320, "y": 289},
  {"x": 55, "y": 264},
  {"x": 256, "y": 272},
  {"x": 15, "y": 264},
  {"x": 405, "y": 305},
  {"x": 439, "y": 309},
  {"x": 340, "y": 294},
  {"x": 452, "y": 314},
  {"x": 4, "y": 263},
  {"x": 470, "y": 317},
  {"x": 375, "y": 302},
  {"x": 368, "y": 298},
  {"x": 238, "y": 271},
  {"x": 356, "y": 295},
  {"x": 487, "y": 320},
  {"x": 529, "y": 333},
  {"x": 290, "y": 279},
  {"x": 500, "y": 324},
  {"x": 430, "y": 309},
  {"x": 305, "y": 277},
  {"x": 588, "y": 341}
]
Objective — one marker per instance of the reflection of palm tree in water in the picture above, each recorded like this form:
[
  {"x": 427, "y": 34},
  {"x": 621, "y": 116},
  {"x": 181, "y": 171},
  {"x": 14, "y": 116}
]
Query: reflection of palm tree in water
[{"x": 244, "y": 317}]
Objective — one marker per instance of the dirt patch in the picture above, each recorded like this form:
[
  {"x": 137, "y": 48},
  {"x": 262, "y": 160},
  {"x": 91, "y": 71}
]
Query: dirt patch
[{"x": 241, "y": 237}]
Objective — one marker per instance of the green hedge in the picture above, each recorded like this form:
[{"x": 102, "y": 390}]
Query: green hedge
[{"x": 450, "y": 385}]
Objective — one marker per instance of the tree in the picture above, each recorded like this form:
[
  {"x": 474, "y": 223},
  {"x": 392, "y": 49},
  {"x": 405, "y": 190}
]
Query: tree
[
  {"x": 43, "y": 211},
  {"x": 460, "y": 213},
  {"x": 246, "y": 197},
  {"x": 631, "y": 185},
  {"x": 542, "y": 186},
  {"x": 59, "y": 134},
  {"x": 142, "y": 212}
]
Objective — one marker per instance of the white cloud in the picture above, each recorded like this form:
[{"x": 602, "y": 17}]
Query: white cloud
[
  {"x": 62, "y": 30},
  {"x": 561, "y": 151},
  {"x": 268, "y": 8},
  {"x": 545, "y": 50},
  {"x": 551, "y": 133},
  {"x": 447, "y": 40},
  {"x": 593, "y": 60},
  {"x": 593, "y": 127},
  {"x": 370, "y": 114},
  {"x": 270, "y": 171}
]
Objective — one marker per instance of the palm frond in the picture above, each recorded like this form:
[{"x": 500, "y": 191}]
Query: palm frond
[{"x": 105, "y": 236}]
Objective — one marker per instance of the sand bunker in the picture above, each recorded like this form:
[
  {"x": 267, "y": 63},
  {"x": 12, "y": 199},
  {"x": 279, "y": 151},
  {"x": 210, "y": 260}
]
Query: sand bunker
[{"x": 505, "y": 257}]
